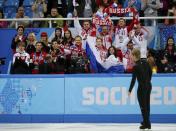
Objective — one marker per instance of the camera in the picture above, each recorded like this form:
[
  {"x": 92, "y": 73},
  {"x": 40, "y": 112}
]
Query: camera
[{"x": 2, "y": 61}]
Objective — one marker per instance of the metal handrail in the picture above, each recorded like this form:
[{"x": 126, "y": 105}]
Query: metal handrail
[{"x": 112, "y": 18}]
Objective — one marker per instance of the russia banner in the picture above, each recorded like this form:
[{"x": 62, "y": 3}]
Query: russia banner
[{"x": 110, "y": 65}]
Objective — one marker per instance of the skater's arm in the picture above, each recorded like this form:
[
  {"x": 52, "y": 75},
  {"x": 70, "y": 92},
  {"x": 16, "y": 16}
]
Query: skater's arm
[{"x": 133, "y": 80}]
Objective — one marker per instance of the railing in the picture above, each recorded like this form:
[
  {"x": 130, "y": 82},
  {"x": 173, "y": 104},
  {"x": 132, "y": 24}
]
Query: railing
[{"x": 112, "y": 18}]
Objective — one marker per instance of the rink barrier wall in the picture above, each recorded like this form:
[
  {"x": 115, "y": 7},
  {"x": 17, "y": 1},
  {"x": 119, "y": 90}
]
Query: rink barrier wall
[{"x": 82, "y": 98}]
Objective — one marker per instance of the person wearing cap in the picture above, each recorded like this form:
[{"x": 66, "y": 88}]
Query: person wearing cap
[{"x": 46, "y": 43}]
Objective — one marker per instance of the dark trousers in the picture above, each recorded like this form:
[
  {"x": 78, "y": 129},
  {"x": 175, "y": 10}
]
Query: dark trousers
[{"x": 143, "y": 94}]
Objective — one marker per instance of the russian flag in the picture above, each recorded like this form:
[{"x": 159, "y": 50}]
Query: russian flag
[{"x": 111, "y": 65}]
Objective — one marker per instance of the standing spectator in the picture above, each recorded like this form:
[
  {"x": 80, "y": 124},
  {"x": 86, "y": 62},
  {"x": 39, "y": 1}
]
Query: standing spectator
[
  {"x": 140, "y": 38},
  {"x": 84, "y": 30},
  {"x": 55, "y": 14},
  {"x": 19, "y": 15},
  {"x": 106, "y": 35},
  {"x": 19, "y": 37},
  {"x": 67, "y": 42},
  {"x": 101, "y": 49},
  {"x": 122, "y": 30},
  {"x": 150, "y": 8},
  {"x": 39, "y": 8},
  {"x": 21, "y": 60},
  {"x": 127, "y": 48},
  {"x": 3, "y": 24}
]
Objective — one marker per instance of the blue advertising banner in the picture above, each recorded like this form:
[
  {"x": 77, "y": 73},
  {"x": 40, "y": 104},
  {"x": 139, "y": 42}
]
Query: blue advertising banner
[
  {"x": 31, "y": 96},
  {"x": 82, "y": 98},
  {"x": 108, "y": 95}
]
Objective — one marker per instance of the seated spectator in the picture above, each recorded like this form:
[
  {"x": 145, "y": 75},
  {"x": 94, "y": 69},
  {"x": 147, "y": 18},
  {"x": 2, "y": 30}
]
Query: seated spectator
[
  {"x": 46, "y": 44},
  {"x": 61, "y": 6},
  {"x": 58, "y": 35},
  {"x": 39, "y": 8},
  {"x": 3, "y": 24},
  {"x": 21, "y": 60},
  {"x": 58, "y": 57},
  {"x": 20, "y": 14},
  {"x": 19, "y": 37},
  {"x": 169, "y": 59},
  {"x": 67, "y": 39},
  {"x": 55, "y": 14},
  {"x": 48, "y": 66},
  {"x": 37, "y": 58},
  {"x": 79, "y": 61},
  {"x": 31, "y": 41}
]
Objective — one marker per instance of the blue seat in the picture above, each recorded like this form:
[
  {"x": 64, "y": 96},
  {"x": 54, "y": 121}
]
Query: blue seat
[
  {"x": 28, "y": 11},
  {"x": 11, "y": 15},
  {"x": 11, "y": 3},
  {"x": 27, "y": 3},
  {"x": 8, "y": 10}
]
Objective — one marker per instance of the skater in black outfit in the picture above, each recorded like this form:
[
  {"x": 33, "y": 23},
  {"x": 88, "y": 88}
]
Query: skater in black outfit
[{"x": 143, "y": 73}]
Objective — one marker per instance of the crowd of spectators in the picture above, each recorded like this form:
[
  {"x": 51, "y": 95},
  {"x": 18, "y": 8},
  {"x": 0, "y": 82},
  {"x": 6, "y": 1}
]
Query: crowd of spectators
[
  {"x": 67, "y": 54},
  {"x": 84, "y": 8}
]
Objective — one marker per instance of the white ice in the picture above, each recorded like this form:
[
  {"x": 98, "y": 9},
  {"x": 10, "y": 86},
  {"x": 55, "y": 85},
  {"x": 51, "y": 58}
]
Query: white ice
[{"x": 83, "y": 127}]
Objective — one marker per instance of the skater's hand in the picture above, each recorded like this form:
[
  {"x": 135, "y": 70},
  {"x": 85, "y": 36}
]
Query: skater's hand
[{"x": 129, "y": 93}]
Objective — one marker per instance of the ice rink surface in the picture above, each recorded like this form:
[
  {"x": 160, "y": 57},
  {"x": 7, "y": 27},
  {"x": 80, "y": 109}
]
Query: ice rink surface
[{"x": 83, "y": 127}]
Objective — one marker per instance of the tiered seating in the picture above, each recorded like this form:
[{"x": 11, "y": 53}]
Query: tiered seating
[{"x": 10, "y": 7}]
